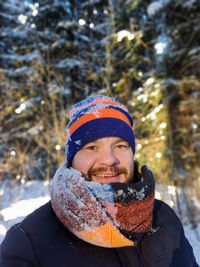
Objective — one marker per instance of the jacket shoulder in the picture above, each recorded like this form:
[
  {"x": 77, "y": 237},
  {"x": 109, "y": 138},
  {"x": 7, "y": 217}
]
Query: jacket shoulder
[
  {"x": 16, "y": 246},
  {"x": 163, "y": 213},
  {"x": 11, "y": 251},
  {"x": 167, "y": 245}
]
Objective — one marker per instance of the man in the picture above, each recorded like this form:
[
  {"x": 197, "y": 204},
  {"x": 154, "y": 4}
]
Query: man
[{"x": 102, "y": 211}]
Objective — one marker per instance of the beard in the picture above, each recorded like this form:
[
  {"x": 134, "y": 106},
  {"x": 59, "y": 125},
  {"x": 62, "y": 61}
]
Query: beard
[{"x": 100, "y": 170}]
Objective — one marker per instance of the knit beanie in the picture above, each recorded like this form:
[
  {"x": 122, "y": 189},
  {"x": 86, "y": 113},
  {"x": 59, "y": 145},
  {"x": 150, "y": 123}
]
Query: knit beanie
[{"x": 97, "y": 117}]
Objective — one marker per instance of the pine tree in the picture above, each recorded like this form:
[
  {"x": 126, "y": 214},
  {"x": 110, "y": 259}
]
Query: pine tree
[
  {"x": 160, "y": 44},
  {"x": 50, "y": 59}
]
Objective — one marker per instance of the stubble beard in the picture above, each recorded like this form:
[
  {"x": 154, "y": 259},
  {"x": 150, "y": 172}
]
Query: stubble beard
[{"x": 100, "y": 170}]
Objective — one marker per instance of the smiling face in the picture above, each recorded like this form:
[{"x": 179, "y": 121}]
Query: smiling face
[{"x": 105, "y": 160}]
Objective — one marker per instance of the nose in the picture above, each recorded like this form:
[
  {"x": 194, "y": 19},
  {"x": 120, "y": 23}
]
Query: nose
[{"x": 108, "y": 157}]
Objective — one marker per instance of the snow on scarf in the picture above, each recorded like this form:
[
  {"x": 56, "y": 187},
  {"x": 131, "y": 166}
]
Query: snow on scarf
[{"x": 107, "y": 215}]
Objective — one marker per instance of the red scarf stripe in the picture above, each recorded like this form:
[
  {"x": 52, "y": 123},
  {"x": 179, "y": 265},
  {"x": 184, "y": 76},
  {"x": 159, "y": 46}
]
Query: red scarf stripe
[{"x": 136, "y": 215}]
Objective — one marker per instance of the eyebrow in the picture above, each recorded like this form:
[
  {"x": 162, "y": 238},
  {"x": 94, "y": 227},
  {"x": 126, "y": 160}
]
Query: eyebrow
[{"x": 116, "y": 141}]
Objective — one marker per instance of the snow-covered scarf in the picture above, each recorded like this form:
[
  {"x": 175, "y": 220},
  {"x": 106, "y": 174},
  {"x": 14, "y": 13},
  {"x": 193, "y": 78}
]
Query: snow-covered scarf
[{"x": 107, "y": 215}]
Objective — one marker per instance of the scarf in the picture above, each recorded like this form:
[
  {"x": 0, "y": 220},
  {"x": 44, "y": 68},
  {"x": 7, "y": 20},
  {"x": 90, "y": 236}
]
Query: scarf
[{"x": 106, "y": 215}]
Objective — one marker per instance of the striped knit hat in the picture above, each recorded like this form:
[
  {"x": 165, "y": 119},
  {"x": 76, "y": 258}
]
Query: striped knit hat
[{"x": 96, "y": 117}]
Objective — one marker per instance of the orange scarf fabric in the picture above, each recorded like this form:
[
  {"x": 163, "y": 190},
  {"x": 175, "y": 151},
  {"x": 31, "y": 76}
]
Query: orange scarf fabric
[{"x": 107, "y": 215}]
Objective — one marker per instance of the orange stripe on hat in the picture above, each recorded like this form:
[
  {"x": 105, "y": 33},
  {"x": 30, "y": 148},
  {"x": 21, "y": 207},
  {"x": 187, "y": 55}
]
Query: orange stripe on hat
[
  {"x": 100, "y": 100},
  {"x": 100, "y": 113}
]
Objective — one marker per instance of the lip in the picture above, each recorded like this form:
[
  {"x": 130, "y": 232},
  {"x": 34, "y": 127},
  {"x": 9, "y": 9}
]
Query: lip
[
  {"x": 106, "y": 178},
  {"x": 105, "y": 174}
]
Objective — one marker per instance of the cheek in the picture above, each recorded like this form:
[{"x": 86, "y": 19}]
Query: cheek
[
  {"x": 82, "y": 162},
  {"x": 129, "y": 161}
]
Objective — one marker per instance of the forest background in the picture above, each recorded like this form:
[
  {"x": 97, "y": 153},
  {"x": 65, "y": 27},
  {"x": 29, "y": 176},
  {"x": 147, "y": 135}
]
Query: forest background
[{"x": 144, "y": 53}]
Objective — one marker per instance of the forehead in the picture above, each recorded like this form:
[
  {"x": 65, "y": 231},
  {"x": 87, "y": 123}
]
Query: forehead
[{"x": 108, "y": 140}]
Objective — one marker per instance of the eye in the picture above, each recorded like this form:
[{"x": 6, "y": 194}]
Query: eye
[
  {"x": 91, "y": 147},
  {"x": 122, "y": 146}
]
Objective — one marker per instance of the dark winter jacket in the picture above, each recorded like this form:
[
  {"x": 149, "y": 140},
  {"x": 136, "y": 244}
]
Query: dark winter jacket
[{"x": 41, "y": 240}]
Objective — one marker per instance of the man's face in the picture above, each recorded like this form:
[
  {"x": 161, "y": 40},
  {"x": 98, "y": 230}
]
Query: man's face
[{"x": 105, "y": 160}]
